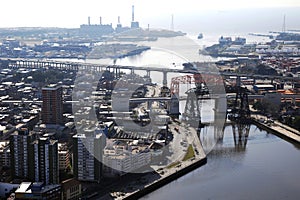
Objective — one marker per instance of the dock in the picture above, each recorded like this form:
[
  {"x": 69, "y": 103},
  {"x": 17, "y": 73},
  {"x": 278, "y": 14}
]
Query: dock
[{"x": 281, "y": 130}]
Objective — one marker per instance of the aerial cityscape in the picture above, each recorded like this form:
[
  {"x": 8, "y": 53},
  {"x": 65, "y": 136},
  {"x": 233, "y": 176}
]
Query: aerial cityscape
[{"x": 130, "y": 109}]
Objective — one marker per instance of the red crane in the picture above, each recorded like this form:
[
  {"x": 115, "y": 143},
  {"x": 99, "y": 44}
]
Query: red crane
[{"x": 197, "y": 79}]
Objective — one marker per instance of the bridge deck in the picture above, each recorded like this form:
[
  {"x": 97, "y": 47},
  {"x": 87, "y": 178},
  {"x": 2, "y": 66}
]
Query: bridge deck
[{"x": 203, "y": 68}]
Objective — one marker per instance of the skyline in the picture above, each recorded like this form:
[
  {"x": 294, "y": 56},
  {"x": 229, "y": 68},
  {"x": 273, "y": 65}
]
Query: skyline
[{"x": 70, "y": 14}]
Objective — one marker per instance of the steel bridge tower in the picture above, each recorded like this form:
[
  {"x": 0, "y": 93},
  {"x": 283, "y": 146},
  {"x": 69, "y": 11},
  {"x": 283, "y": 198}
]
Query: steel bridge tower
[{"x": 240, "y": 111}]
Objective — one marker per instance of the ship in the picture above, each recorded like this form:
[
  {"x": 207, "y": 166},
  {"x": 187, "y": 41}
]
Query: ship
[{"x": 200, "y": 36}]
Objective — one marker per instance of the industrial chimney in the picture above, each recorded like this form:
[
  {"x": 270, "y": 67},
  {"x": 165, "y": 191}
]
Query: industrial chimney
[
  {"x": 134, "y": 24},
  {"x": 89, "y": 20},
  {"x": 133, "y": 13}
]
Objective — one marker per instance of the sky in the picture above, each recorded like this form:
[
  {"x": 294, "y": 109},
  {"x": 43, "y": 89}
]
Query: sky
[{"x": 72, "y": 13}]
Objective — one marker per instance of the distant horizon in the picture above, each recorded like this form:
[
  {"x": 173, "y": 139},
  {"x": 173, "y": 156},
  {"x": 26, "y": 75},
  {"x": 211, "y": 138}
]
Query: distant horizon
[{"x": 205, "y": 20}]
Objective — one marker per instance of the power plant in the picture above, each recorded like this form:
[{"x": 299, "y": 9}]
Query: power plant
[
  {"x": 134, "y": 24},
  {"x": 105, "y": 29},
  {"x": 96, "y": 29}
]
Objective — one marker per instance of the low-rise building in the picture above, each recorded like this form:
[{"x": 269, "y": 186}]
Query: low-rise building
[
  {"x": 6, "y": 189},
  {"x": 71, "y": 189},
  {"x": 37, "y": 190},
  {"x": 263, "y": 88},
  {"x": 120, "y": 158}
]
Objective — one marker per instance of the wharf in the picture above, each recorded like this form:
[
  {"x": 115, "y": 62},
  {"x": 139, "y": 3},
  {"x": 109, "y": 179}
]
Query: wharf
[{"x": 283, "y": 131}]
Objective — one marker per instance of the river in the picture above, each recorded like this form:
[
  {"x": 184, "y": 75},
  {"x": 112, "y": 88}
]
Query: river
[{"x": 267, "y": 168}]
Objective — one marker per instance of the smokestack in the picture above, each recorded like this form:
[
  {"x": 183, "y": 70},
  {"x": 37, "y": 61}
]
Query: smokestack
[
  {"x": 133, "y": 13},
  {"x": 89, "y": 20},
  {"x": 172, "y": 23},
  {"x": 118, "y": 19},
  {"x": 100, "y": 20}
]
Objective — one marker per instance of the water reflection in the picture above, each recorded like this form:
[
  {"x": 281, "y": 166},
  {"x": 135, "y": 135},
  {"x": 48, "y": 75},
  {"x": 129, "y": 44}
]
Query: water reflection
[
  {"x": 254, "y": 166},
  {"x": 240, "y": 135},
  {"x": 212, "y": 136}
]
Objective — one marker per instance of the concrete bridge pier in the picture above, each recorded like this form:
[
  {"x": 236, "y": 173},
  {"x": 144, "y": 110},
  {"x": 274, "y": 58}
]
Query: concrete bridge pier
[
  {"x": 221, "y": 104},
  {"x": 149, "y": 105},
  {"x": 117, "y": 72},
  {"x": 148, "y": 73},
  {"x": 238, "y": 81},
  {"x": 220, "y": 117},
  {"x": 165, "y": 80},
  {"x": 173, "y": 106},
  {"x": 23, "y": 64},
  {"x": 219, "y": 126}
]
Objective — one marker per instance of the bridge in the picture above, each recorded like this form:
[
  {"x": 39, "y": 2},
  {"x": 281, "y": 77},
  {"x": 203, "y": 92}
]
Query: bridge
[{"x": 203, "y": 68}]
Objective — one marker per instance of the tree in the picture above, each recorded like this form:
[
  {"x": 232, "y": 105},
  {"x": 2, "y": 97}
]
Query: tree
[
  {"x": 258, "y": 105},
  {"x": 296, "y": 123},
  {"x": 265, "y": 70}
]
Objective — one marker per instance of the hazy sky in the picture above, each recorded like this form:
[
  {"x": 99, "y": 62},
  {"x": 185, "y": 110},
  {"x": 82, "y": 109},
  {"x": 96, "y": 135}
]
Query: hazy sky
[{"x": 72, "y": 13}]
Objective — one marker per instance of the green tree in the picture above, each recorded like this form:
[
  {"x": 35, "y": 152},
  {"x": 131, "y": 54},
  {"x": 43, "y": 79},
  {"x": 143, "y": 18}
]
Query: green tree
[{"x": 296, "y": 122}]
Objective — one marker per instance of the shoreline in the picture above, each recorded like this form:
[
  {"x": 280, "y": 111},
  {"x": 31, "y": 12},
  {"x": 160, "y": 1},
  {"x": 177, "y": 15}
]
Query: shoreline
[
  {"x": 282, "y": 131},
  {"x": 165, "y": 180}
]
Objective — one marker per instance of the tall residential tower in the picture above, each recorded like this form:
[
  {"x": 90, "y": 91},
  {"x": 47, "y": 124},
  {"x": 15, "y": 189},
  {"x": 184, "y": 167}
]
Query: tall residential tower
[
  {"x": 43, "y": 167},
  {"x": 52, "y": 108},
  {"x": 19, "y": 145},
  {"x": 88, "y": 151},
  {"x": 34, "y": 159}
]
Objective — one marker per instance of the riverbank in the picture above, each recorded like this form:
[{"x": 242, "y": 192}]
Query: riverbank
[
  {"x": 180, "y": 171},
  {"x": 277, "y": 128},
  {"x": 176, "y": 169},
  {"x": 116, "y": 51}
]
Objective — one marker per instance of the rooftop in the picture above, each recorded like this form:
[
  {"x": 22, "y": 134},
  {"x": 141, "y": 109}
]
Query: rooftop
[
  {"x": 52, "y": 87},
  {"x": 70, "y": 183},
  {"x": 36, "y": 187},
  {"x": 264, "y": 86},
  {"x": 4, "y": 144}
]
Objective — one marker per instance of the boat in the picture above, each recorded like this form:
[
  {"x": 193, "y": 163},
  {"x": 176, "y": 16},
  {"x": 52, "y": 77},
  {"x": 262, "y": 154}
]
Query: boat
[{"x": 200, "y": 36}]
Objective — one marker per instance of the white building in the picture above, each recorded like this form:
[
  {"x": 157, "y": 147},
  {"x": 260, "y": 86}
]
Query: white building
[{"x": 120, "y": 158}]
